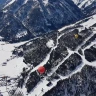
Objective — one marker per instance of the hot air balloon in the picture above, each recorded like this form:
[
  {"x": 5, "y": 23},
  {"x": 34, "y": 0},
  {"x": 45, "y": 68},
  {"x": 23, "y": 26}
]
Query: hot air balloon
[
  {"x": 76, "y": 36},
  {"x": 41, "y": 69}
]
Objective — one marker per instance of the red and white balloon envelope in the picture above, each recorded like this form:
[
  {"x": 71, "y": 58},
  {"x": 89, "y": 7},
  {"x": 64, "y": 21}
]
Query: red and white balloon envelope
[{"x": 41, "y": 70}]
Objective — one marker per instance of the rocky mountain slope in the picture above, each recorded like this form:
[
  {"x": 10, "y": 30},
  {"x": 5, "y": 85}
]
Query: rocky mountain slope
[
  {"x": 35, "y": 17},
  {"x": 3, "y": 3},
  {"x": 83, "y": 3},
  {"x": 91, "y": 8}
]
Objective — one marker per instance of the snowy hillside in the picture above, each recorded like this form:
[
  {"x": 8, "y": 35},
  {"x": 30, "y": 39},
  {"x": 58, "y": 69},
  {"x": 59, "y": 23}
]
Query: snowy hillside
[
  {"x": 83, "y": 3},
  {"x": 3, "y": 3},
  {"x": 88, "y": 6},
  {"x": 67, "y": 60},
  {"x": 86, "y": 3}
]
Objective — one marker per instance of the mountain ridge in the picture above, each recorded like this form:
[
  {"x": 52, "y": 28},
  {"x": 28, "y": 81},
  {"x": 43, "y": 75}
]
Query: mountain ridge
[{"x": 39, "y": 17}]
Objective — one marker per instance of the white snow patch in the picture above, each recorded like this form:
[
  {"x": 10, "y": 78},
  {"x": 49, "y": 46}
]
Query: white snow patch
[
  {"x": 6, "y": 50},
  {"x": 45, "y": 2},
  {"x": 13, "y": 65},
  {"x": 12, "y": 1},
  {"x": 25, "y": 1},
  {"x": 4, "y": 11},
  {"x": 21, "y": 34},
  {"x": 50, "y": 44},
  {"x": 3, "y": 91},
  {"x": 87, "y": 24},
  {"x": 1, "y": 38},
  {"x": 86, "y": 3},
  {"x": 13, "y": 68},
  {"x": 90, "y": 22}
]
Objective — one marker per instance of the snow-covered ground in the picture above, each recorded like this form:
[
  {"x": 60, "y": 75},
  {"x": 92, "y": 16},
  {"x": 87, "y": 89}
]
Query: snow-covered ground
[
  {"x": 13, "y": 68},
  {"x": 86, "y": 3},
  {"x": 50, "y": 44},
  {"x": 10, "y": 65},
  {"x": 87, "y": 24},
  {"x": 90, "y": 22},
  {"x": 45, "y": 2},
  {"x": 6, "y": 50},
  {"x": 83, "y": 3},
  {"x": 25, "y": 1},
  {"x": 21, "y": 34}
]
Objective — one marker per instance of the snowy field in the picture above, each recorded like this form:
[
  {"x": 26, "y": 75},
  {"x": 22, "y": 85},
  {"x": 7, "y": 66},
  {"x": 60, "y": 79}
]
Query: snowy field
[
  {"x": 10, "y": 65},
  {"x": 10, "y": 60}
]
